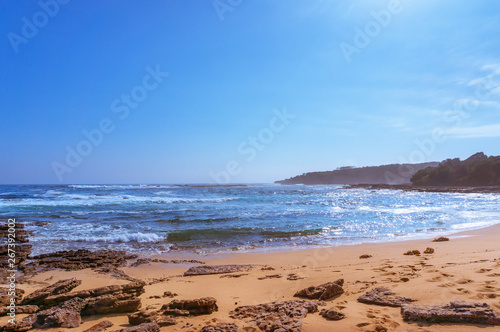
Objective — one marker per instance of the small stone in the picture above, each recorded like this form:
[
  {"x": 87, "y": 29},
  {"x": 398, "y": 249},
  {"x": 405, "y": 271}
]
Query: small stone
[
  {"x": 331, "y": 314},
  {"x": 441, "y": 239}
]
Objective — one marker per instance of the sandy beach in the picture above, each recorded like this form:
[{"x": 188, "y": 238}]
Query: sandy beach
[{"x": 466, "y": 268}]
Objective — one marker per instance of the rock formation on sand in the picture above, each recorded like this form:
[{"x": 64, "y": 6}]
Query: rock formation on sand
[
  {"x": 322, "y": 292},
  {"x": 277, "y": 316},
  {"x": 455, "y": 312},
  {"x": 216, "y": 269},
  {"x": 383, "y": 296}
]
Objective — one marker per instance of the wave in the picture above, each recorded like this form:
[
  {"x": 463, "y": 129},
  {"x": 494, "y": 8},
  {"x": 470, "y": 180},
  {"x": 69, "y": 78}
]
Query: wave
[
  {"x": 117, "y": 238},
  {"x": 219, "y": 234}
]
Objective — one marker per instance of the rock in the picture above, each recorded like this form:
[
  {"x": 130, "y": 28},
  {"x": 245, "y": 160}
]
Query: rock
[
  {"x": 455, "y": 312},
  {"x": 110, "y": 303},
  {"x": 429, "y": 250},
  {"x": 203, "y": 306},
  {"x": 412, "y": 252},
  {"x": 142, "y": 316},
  {"x": 129, "y": 290},
  {"x": 383, "y": 296},
  {"x": 216, "y": 269},
  {"x": 276, "y": 316},
  {"x": 72, "y": 260},
  {"x": 221, "y": 327},
  {"x": 331, "y": 314},
  {"x": 169, "y": 294},
  {"x": 271, "y": 276},
  {"x": 18, "y": 326},
  {"x": 67, "y": 315},
  {"x": 20, "y": 309},
  {"x": 365, "y": 256},
  {"x": 5, "y": 298},
  {"x": 441, "y": 239},
  {"x": 63, "y": 286},
  {"x": 101, "y": 326},
  {"x": 144, "y": 327},
  {"x": 322, "y": 292}
]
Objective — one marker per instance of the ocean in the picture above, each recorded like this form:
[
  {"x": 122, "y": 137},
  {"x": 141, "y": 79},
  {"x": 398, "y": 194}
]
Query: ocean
[{"x": 160, "y": 219}]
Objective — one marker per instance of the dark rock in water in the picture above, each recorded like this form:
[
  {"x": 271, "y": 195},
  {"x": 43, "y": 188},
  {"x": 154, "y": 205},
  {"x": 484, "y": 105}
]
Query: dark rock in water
[
  {"x": 203, "y": 306},
  {"x": 441, "y": 239},
  {"x": 221, "y": 327},
  {"x": 383, "y": 296},
  {"x": 322, "y": 292},
  {"x": 276, "y": 316},
  {"x": 101, "y": 326},
  {"x": 130, "y": 290},
  {"x": 67, "y": 315},
  {"x": 20, "y": 309},
  {"x": 455, "y": 312},
  {"x": 144, "y": 327},
  {"x": 216, "y": 269},
  {"x": 331, "y": 314},
  {"x": 63, "y": 286}
]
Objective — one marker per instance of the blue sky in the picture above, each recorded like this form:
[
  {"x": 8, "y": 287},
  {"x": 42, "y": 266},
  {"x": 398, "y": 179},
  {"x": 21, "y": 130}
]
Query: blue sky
[{"x": 242, "y": 91}]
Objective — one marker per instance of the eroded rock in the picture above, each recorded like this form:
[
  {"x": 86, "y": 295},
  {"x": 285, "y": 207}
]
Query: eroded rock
[
  {"x": 441, "y": 239},
  {"x": 101, "y": 326},
  {"x": 331, "y": 314},
  {"x": 202, "y": 306},
  {"x": 221, "y": 327},
  {"x": 322, "y": 292},
  {"x": 455, "y": 312},
  {"x": 383, "y": 296},
  {"x": 60, "y": 287},
  {"x": 21, "y": 309},
  {"x": 216, "y": 269},
  {"x": 67, "y": 315},
  {"x": 144, "y": 327},
  {"x": 276, "y": 316}
]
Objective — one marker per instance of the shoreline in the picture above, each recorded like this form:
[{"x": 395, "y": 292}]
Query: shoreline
[{"x": 466, "y": 268}]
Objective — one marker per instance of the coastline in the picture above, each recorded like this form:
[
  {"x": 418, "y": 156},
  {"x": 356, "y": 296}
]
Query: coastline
[{"x": 466, "y": 268}]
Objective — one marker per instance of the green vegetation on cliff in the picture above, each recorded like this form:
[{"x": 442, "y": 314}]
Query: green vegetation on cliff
[
  {"x": 477, "y": 170},
  {"x": 385, "y": 174}
]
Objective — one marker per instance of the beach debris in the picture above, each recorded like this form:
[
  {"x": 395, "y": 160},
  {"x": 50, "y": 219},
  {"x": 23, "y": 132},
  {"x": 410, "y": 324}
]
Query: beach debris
[
  {"x": 331, "y": 314},
  {"x": 454, "y": 312},
  {"x": 429, "y": 250},
  {"x": 235, "y": 275},
  {"x": 202, "y": 306},
  {"x": 384, "y": 297},
  {"x": 365, "y": 256},
  {"x": 441, "y": 239},
  {"x": 144, "y": 327},
  {"x": 216, "y": 269},
  {"x": 322, "y": 292},
  {"x": 412, "y": 252},
  {"x": 271, "y": 276},
  {"x": 101, "y": 326},
  {"x": 221, "y": 327},
  {"x": 20, "y": 309},
  {"x": 127, "y": 291},
  {"x": 62, "y": 286},
  {"x": 276, "y": 316}
]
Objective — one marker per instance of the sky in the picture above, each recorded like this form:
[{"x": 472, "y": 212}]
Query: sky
[{"x": 239, "y": 91}]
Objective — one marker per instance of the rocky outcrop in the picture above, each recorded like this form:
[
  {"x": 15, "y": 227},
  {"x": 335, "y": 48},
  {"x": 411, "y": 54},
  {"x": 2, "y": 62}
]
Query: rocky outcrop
[
  {"x": 216, "y": 269},
  {"x": 148, "y": 316},
  {"x": 276, "y": 316},
  {"x": 322, "y": 292},
  {"x": 72, "y": 260},
  {"x": 67, "y": 315},
  {"x": 18, "y": 326},
  {"x": 412, "y": 252},
  {"x": 331, "y": 314},
  {"x": 20, "y": 309},
  {"x": 101, "y": 326},
  {"x": 123, "y": 292},
  {"x": 5, "y": 298},
  {"x": 221, "y": 327},
  {"x": 384, "y": 297},
  {"x": 455, "y": 312},
  {"x": 145, "y": 327},
  {"x": 110, "y": 303},
  {"x": 63, "y": 286},
  {"x": 203, "y": 306}
]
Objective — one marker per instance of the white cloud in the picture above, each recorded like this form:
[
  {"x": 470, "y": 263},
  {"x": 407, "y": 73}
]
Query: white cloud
[{"x": 492, "y": 130}]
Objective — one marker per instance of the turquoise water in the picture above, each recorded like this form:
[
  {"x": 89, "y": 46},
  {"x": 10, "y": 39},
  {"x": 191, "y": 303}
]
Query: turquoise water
[{"x": 163, "y": 218}]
